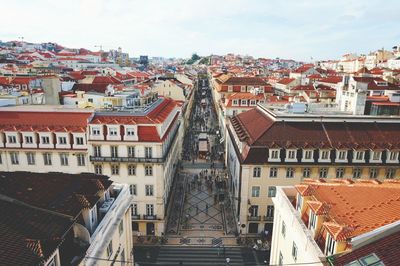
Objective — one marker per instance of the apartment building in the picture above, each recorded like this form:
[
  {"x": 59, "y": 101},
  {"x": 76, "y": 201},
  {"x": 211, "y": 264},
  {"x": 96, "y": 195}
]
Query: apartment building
[
  {"x": 139, "y": 148},
  {"x": 266, "y": 149},
  {"x": 64, "y": 219},
  {"x": 337, "y": 222}
]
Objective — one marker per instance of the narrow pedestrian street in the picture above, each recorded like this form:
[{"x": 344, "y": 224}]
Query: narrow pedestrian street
[
  {"x": 201, "y": 213},
  {"x": 201, "y": 228}
]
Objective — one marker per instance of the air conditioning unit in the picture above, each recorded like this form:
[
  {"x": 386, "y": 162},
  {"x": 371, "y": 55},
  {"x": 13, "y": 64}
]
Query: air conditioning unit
[{"x": 106, "y": 206}]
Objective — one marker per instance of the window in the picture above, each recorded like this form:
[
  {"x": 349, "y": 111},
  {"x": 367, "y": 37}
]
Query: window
[
  {"x": 256, "y": 171},
  {"x": 339, "y": 172},
  {"x": 323, "y": 172},
  {"x": 47, "y": 158},
  {"x": 376, "y": 155},
  {"x": 149, "y": 190},
  {"x": 294, "y": 251},
  {"x": 132, "y": 189},
  {"x": 150, "y": 209},
  {"x": 308, "y": 154},
  {"x": 148, "y": 170},
  {"x": 131, "y": 169},
  {"x": 274, "y": 154},
  {"x": 255, "y": 191},
  {"x": 130, "y": 132},
  {"x": 390, "y": 172},
  {"x": 98, "y": 169},
  {"x": 330, "y": 247},
  {"x": 134, "y": 210},
  {"x": 313, "y": 219},
  {"x": 324, "y": 155},
  {"x": 271, "y": 191},
  {"x": 369, "y": 260},
  {"x": 148, "y": 152},
  {"x": 114, "y": 169},
  {"x": 30, "y": 158},
  {"x": 14, "y": 158},
  {"x": 283, "y": 229},
  {"x": 306, "y": 172},
  {"x": 113, "y": 131},
  {"x": 97, "y": 151},
  {"x": 109, "y": 249},
  {"x": 393, "y": 155},
  {"x": 373, "y": 173},
  {"x": 289, "y": 172},
  {"x": 273, "y": 172},
  {"x": 114, "y": 151},
  {"x": 64, "y": 159},
  {"x": 341, "y": 155},
  {"x": 235, "y": 102},
  {"x": 131, "y": 151},
  {"x": 12, "y": 139},
  {"x": 359, "y": 155},
  {"x": 356, "y": 172},
  {"x": 95, "y": 131},
  {"x": 291, "y": 155},
  {"x": 1, "y": 159},
  {"x": 270, "y": 211},
  {"x": 253, "y": 210},
  {"x": 243, "y": 102},
  {"x": 62, "y": 140},
  {"x": 121, "y": 227},
  {"x": 79, "y": 140},
  {"x": 28, "y": 139},
  {"x": 45, "y": 140},
  {"x": 80, "y": 157}
]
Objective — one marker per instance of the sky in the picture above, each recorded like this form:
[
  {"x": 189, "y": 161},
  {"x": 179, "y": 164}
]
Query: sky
[{"x": 295, "y": 29}]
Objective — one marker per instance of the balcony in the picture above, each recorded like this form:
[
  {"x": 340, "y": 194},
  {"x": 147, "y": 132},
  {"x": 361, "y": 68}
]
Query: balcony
[
  {"x": 254, "y": 218},
  {"x": 136, "y": 217},
  {"x": 268, "y": 218},
  {"x": 149, "y": 217},
  {"x": 125, "y": 159}
]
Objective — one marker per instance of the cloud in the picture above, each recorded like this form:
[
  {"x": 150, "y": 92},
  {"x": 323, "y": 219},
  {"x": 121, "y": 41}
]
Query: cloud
[{"x": 274, "y": 28}]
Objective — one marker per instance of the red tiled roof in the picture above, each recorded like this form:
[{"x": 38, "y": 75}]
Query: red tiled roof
[
  {"x": 303, "y": 68},
  {"x": 257, "y": 129},
  {"x": 386, "y": 248},
  {"x": 357, "y": 208},
  {"x": 47, "y": 121},
  {"x": 245, "y": 81},
  {"x": 148, "y": 134},
  {"x": 331, "y": 79},
  {"x": 286, "y": 81}
]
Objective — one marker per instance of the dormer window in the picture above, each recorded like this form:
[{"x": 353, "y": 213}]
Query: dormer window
[
  {"x": 290, "y": 155},
  {"x": 341, "y": 155},
  {"x": 28, "y": 139},
  {"x": 12, "y": 139},
  {"x": 243, "y": 88},
  {"x": 252, "y": 102},
  {"x": 359, "y": 156},
  {"x": 230, "y": 88},
  {"x": 307, "y": 155},
  {"x": 313, "y": 220},
  {"x": 95, "y": 131},
  {"x": 243, "y": 102},
  {"x": 113, "y": 131},
  {"x": 45, "y": 140},
  {"x": 235, "y": 102},
  {"x": 376, "y": 156},
  {"x": 130, "y": 132},
  {"x": 62, "y": 140},
  {"x": 392, "y": 156},
  {"x": 274, "y": 154},
  {"x": 324, "y": 155},
  {"x": 299, "y": 202},
  {"x": 79, "y": 140},
  {"x": 330, "y": 245}
]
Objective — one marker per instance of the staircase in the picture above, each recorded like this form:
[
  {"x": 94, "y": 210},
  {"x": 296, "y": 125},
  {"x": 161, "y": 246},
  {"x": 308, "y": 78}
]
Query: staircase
[{"x": 202, "y": 256}]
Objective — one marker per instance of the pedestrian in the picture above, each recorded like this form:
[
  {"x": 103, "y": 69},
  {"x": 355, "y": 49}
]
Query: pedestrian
[
  {"x": 197, "y": 209},
  {"x": 206, "y": 207}
]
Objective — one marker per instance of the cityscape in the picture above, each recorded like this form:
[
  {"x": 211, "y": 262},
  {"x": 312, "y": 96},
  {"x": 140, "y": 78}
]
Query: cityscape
[{"x": 116, "y": 156}]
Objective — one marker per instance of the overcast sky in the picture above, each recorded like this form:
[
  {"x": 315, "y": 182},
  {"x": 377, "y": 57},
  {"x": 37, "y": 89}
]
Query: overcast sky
[{"x": 297, "y": 29}]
